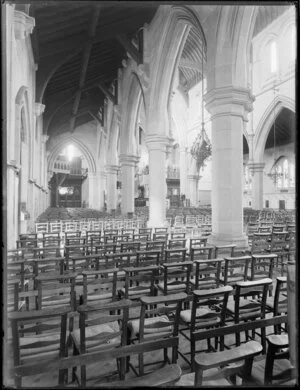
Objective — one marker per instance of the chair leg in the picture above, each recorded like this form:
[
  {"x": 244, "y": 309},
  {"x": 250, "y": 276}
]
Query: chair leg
[{"x": 269, "y": 365}]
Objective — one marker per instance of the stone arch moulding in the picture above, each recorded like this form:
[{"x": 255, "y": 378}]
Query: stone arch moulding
[
  {"x": 21, "y": 102},
  {"x": 179, "y": 21},
  {"x": 266, "y": 121},
  {"x": 135, "y": 97},
  {"x": 62, "y": 143}
]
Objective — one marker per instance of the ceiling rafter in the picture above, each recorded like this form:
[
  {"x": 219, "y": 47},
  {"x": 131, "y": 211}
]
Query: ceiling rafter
[
  {"x": 130, "y": 48},
  {"x": 86, "y": 57},
  {"x": 107, "y": 93}
]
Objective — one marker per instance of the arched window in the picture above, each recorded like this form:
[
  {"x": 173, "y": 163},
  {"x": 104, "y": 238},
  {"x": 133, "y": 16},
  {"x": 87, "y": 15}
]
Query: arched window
[
  {"x": 273, "y": 57},
  {"x": 285, "y": 173}
]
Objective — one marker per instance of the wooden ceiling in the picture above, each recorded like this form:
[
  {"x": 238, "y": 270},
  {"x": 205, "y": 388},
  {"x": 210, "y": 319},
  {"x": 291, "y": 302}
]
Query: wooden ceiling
[
  {"x": 267, "y": 14},
  {"x": 285, "y": 129},
  {"x": 79, "y": 47}
]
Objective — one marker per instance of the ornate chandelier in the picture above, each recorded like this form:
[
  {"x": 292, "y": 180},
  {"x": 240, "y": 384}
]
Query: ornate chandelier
[{"x": 201, "y": 148}]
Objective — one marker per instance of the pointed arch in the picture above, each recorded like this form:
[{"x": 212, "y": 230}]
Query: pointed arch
[
  {"x": 62, "y": 142},
  {"x": 179, "y": 21},
  {"x": 266, "y": 122},
  {"x": 133, "y": 99}
]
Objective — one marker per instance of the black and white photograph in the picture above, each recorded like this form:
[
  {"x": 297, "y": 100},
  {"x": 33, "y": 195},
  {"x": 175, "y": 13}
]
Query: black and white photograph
[{"x": 149, "y": 194}]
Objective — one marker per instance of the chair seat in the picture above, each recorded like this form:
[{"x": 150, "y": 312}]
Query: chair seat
[
  {"x": 204, "y": 317},
  {"x": 233, "y": 279},
  {"x": 282, "y": 304},
  {"x": 39, "y": 345},
  {"x": 188, "y": 380},
  {"x": 248, "y": 308},
  {"x": 175, "y": 285},
  {"x": 50, "y": 301},
  {"x": 136, "y": 290},
  {"x": 96, "y": 296},
  {"x": 95, "y": 335},
  {"x": 152, "y": 325}
]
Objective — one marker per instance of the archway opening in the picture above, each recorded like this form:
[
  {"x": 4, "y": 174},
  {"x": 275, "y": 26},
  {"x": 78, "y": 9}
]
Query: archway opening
[
  {"x": 279, "y": 159},
  {"x": 69, "y": 184}
]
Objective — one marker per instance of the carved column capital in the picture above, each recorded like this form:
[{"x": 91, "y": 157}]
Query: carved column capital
[
  {"x": 23, "y": 24},
  {"x": 128, "y": 160},
  {"x": 112, "y": 169},
  {"x": 39, "y": 108},
  {"x": 229, "y": 101}
]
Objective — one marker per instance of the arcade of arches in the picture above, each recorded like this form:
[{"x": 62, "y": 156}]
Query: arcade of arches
[{"x": 127, "y": 88}]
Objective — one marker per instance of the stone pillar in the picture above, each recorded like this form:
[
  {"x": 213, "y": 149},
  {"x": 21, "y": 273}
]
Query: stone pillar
[
  {"x": 111, "y": 174},
  {"x": 157, "y": 180},
  {"x": 193, "y": 181},
  {"x": 102, "y": 179},
  {"x": 128, "y": 167},
  {"x": 229, "y": 108},
  {"x": 94, "y": 190},
  {"x": 183, "y": 171},
  {"x": 257, "y": 172}
]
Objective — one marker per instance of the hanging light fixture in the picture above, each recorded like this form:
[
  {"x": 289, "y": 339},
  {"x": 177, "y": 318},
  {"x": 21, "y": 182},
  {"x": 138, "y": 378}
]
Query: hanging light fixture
[
  {"x": 201, "y": 148},
  {"x": 274, "y": 174}
]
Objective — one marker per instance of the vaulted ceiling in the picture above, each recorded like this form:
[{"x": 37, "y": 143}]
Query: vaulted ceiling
[{"x": 79, "y": 47}]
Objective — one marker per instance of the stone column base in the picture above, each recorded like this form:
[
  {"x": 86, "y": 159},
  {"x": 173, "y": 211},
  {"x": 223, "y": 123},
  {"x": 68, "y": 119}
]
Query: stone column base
[{"x": 241, "y": 242}]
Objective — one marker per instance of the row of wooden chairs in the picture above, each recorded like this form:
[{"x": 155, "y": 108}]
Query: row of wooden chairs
[
  {"x": 82, "y": 225},
  {"x": 156, "y": 328}
]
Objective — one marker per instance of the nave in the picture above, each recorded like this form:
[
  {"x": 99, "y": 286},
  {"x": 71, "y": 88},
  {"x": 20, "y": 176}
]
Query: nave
[{"x": 166, "y": 293}]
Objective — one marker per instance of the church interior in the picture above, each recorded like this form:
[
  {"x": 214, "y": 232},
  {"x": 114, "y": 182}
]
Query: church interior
[{"x": 149, "y": 194}]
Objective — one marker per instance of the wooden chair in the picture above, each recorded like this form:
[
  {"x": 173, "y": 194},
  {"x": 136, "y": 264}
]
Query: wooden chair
[
  {"x": 160, "y": 236},
  {"x": 139, "y": 282},
  {"x": 262, "y": 266},
  {"x": 46, "y": 235},
  {"x": 228, "y": 331},
  {"x": 156, "y": 245},
  {"x": 278, "y": 348},
  {"x": 120, "y": 260},
  {"x": 197, "y": 243},
  {"x": 279, "y": 245},
  {"x": 128, "y": 232},
  {"x": 55, "y": 291},
  {"x": 260, "y": 242},
  {"x": 167, "y": 375},
  {"x": 207, "y": 274},
  {"x": 278, "y": 228},
  {"x": 131, "y": 246},
  {"x": 242, "y": 309},
  {"x": 175, "y": 278},
  {"x": 39, "y": 337},
  {"x": 175, "y": 255},
  {"x": 72, "y": 234},
  {"x": 235, "y": 270},
  {"x": 101, "y": 327},
  {"x": 142, "y": 237},
  {"x": 175, "y": 235},
  {"x": 224, "y": 251},
  {"x": 218, "y": 369},
  {"x": 201, "y": 253},
  {"x": 159, "y": 321},
  {"x": 161, "y": 230},
  {"x": 278, "y": 304},
  {"x": 150, "y": 257},
  {"x": 177, "y": 243},
  {"x": 146, "y": 231},
  {"x": 100, "y": 286},
  {"x": 205, "y": 313}
]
